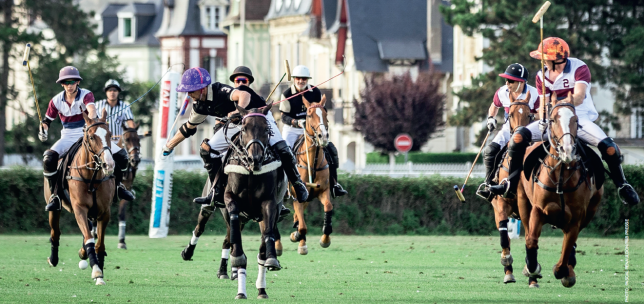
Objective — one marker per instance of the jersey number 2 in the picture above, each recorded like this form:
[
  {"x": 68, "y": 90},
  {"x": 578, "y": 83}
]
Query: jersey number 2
[{"x": 565, "y": 83}]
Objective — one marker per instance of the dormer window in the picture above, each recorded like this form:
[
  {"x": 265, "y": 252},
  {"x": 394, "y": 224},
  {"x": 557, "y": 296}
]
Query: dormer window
[
  {"x": 126, "y": 27},
  {"x": 214, "y": 15}
]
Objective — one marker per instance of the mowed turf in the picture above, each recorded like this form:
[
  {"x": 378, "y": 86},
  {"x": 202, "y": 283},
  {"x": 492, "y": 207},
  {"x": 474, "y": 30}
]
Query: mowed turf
[{"x": 402, "y": 269}]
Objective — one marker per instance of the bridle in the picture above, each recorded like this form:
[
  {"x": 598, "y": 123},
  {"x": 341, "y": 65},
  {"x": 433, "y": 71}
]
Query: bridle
[
  {"x": 96, "y": 161},
  {"x": 316, "y": 130},
  {"x": 556, "y": 141},
  {"x": 96, "y": 156},
  {"x": 245, "y": 157},
  {"x": 519, "y": 103},
  {"x": 133, "y": 148}
]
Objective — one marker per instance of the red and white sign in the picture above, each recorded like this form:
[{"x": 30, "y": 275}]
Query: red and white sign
[{"x": 403, "y": 143}]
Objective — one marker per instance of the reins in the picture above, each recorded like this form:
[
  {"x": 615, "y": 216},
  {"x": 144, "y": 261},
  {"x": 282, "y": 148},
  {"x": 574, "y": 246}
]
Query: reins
[{"x": 95, "y": 160}]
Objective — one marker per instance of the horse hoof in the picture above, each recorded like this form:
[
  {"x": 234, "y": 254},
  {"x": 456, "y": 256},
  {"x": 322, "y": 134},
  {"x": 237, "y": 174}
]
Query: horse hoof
[
  {"x": 96, "y": 272},
  {"x": 272, "y": 264},
  {"x": 535, "y": 285},
  {"x": 82, "y": 254},
  {"x": 278, "y": 252},
  {"x": 323, "y": 244},
  {"x": 122, "y": 246},
  {"x": 223, "y": 276},
  {"x": 238, "y": 261},
  {"x": 240, "y": 296},
  {"x": 509, "y": 278},
  {"x": 507, "y": 260},
  {"x": 234, "y": 276},
  {"x": 536, "y": 274},
  {"x": 52, "y": 262},
  {"x": 100, "y": 281},
  {"x": 569, "y": 281},
  {"x": 262, "y": 296},
  {"x": 186, "y": 253},
  {"x": 303, "y": 250},
  {"x": 295, "y": 236}
]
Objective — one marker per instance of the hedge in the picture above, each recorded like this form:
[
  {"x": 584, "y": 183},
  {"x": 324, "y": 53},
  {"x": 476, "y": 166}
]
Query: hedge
[
  {"x": 420, "y": 157},
  {"x": 376, "y": 205}
]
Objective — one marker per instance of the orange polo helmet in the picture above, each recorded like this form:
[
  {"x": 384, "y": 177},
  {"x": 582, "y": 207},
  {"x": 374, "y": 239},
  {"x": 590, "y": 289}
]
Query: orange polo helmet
[{"x": 555, "y": 49}]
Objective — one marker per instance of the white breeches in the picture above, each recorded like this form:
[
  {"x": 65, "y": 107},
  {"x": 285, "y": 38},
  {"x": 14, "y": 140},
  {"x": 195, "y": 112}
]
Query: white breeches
[
  {"x": 291, "y": 134},
  {"x": 218, "y": 141},
  {"x": 503, "y": 136},
  {"x": 69, "y": 136},
  {"x": 588, "y": 131}
]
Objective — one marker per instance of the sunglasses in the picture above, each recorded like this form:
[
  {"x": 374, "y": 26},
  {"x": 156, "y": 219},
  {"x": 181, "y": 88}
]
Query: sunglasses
[
  {"x": 241, "y": 79},
  {"x": 510, "y": 81},
  {"x": 68, "y": 82}
]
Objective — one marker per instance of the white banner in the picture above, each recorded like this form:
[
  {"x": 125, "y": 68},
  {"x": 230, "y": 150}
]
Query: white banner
[{"x": 163, "y": 166}]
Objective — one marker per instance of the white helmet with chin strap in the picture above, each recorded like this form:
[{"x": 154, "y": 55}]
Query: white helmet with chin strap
[
  {"x": 301, "y": 71},
  {"x": 112, "y": 84}
]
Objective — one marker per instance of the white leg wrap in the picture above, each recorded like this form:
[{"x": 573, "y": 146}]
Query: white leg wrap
[
  {"x": 121, "y": 230},
  {"x": 261, "y": 278},
  {"x": 234, "y": 269},
  {"x": 194, "y": 239},
  {"x": 241, "y": 278},
  {"x": 225, "y": 254},
  {"x": 90, "y": 241}
]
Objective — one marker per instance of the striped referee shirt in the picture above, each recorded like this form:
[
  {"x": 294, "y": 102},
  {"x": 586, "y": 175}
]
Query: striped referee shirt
[{"x": 122, "y": 112}]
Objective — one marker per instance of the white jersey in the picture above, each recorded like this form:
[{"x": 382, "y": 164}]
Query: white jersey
[
  {"x": 574, "y": 72},
  {"x": 116, "y": 116},
  {"x": 502, "y": 98}
]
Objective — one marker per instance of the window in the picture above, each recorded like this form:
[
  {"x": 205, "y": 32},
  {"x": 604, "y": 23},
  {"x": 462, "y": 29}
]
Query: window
[
  {"x": 213, "y": 16},
  {"x": 127, "y": 27}
]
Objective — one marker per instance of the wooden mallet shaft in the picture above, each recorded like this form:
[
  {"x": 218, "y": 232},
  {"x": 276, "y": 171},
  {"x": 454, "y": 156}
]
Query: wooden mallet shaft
[{"x": 25, "y": 62}]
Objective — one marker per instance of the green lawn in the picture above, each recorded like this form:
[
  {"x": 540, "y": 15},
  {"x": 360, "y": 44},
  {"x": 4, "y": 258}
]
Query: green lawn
[{"x": 403, "y": 269}]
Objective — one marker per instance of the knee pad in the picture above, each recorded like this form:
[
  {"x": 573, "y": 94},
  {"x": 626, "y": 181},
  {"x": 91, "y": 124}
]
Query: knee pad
[
  {"x": 50, "y": 161},
  {"x": 492, "y": 150},
  {"x": 187, "y": 132},
  {"x": 609, "y": 150},
  {"x": 520, "y": 140}
]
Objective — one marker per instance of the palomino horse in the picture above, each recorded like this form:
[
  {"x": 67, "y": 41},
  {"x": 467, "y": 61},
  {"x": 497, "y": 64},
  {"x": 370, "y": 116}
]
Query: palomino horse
[
  {"x": 519, "y": 116},
  {"x": 255, "y": 185},
  {"x": 131, "y": 142},
  {"x": 91, "y": 190},
  {"x": 312, "y": 164},
  {"x": 567, "y": 193}
]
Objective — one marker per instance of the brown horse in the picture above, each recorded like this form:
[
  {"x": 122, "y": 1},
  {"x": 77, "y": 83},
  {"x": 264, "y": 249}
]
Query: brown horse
[
  {"x": 519, "y": 116},
  {"x": 567, "y": 192},
  {"x": 91, "y": 190},
  {"x": 313, "y": 165},
  {"x": 131, "y": 142}
]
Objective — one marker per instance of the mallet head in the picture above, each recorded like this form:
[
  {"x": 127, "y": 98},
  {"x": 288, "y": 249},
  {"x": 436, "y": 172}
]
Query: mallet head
[
  {"x": 288, "y": 70},
  {"x": 459, "y": 194},
  {"x": 25, "y": 57}
]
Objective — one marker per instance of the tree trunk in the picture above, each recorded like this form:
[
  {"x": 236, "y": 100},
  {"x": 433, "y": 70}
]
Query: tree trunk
[{"x": 7, "y": 10}]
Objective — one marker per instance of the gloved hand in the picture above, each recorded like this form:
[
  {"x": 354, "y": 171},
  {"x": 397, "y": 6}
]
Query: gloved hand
[
  {"x": 301, "y": 123},
  {"x": 167, "y": 151},
  {"x": 491, "y": 123},
  {"x": 42, "y": 135},
  {"x": 543, "y": 125}
]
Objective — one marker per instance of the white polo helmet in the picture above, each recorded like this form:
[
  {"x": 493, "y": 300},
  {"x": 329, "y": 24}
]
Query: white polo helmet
[
  {"x": 301, "y": 72},
  {"x": 112, "y": 84}
]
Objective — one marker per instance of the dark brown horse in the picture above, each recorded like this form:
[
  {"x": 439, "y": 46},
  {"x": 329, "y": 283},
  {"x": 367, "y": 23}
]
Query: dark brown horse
[
  {"x": 519, "y": 116},
  {"x": 131, "y": 142},
  {"x": 563, "y": 191},
  {"x": 91, "y": 190},
  {"x": 313, "y": 165},
  {"x": 255, "y": 185}
]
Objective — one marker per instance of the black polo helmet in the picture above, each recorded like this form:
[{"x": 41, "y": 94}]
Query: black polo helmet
[
  {"x": 242, "y": 71},
  {"x": 516, "y": 72}
]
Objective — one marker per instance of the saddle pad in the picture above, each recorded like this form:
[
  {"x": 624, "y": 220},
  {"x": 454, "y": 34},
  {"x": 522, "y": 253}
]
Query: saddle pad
[
  {"x": 272, "y": 166},
  {"x": 66, "y": 162}
]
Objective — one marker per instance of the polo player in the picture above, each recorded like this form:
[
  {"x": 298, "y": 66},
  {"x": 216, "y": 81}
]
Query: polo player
[
  {"x": 564, "y": 74},
  {"x": 294, "y": 118},
  {"x": 69, "y": 105}
]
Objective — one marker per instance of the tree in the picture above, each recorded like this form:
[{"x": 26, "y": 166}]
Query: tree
[
  {"x": 512, "y": 35},
  {"x": 395, "y": 105}
]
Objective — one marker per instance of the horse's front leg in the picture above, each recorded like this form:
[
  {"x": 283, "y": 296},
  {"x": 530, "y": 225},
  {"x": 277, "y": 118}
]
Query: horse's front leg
[
  {"x": 204, "y": 214},
  {"x": 122, "y": 224},
  {"x": 100, "y": 245},
  {"x": 54, "y": 223},
  {"x": 564, "y": 269},
  {"x": 270, "y": 214},
  {"x": 501, "y": 210},
  {"x": 261, "y": 261},
  {"x": 327, "y": 226},
  {"x": 237, "y": 256},
  {"x": 300, "y": 234},
  {"x": 533, "y": 268}
]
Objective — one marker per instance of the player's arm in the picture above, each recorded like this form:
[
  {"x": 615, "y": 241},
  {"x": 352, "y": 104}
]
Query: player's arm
[{"x": 580, "y": 93}]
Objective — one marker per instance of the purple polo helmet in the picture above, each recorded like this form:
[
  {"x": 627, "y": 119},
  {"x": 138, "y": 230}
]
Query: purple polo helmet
[
  {"x": 194, "y": 79},
  {"x": 68, "y": 72}
]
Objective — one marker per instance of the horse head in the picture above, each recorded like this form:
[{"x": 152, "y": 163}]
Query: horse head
[
  {"x": 563, "y": 127},
  {"x": 519, "y": 112},
  {"x": 316, "y": 121},
  {"x": 97, "y": 140},
  {"x": 255, "y": 134},
  {"x": 132, "y": 144}
]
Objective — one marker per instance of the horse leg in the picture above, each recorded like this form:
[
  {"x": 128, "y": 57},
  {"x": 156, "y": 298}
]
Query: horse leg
[
  {"x": 54, "y": 223},
  {"x": 225, "y": 250},
  {"x": 278, "y": 240},
  {"x": 204, "y": 215},
  {"x": 533, "y": 268},
  {"x": 100, "y": 245},
  {"x": 88, "y": 239},
  {"x": 237, "y": 256},
  {"x": 501, "y": 211},
  {"x": 564, "y": 270},
  {"x": 327, "y": 227},
  {"x": 261, "y": 261},
  {"x": 122, "y": 211},
  {"x": 270, "y": 214},
  {"x": 300, "y": 234}
]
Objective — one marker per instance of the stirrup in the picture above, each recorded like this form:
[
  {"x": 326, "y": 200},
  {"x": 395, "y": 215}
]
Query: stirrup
[
  {"x": 485, "y": 187},
  {"x": 126, "y": 193},
  {"x": 54, "y": 203},
  {"x": 337, "y": 191},
  {"x": 627, "y": 186}
]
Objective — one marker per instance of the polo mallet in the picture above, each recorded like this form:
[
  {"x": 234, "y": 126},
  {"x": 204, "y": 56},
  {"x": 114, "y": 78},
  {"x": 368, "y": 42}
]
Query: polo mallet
[
  {"x": 25, "y": 62},
  {"x": 288, "y": 72},
  {"x": 539, "y": 16},
  {"x": 181, "y": 112},
  {"x": 459, "y": 193}
]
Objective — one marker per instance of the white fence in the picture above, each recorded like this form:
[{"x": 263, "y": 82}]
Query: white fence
[{"x": 415, "y": 170}]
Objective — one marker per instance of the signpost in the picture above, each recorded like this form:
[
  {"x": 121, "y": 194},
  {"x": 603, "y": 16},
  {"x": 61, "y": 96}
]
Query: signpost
[{"x": 403, "y": 143}]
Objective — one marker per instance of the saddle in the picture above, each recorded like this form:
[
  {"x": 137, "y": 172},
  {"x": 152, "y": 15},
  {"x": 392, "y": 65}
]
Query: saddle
[{"x": 589, "y": 158}]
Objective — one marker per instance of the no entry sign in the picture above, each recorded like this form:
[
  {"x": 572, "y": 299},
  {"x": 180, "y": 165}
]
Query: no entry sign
[{"x": 403, "y": 143}]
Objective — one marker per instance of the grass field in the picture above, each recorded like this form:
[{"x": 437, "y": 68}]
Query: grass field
[{"x": 402, "y": 269}]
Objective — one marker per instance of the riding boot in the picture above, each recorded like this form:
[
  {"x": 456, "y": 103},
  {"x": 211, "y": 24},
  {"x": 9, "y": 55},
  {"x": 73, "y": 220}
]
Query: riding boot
[
  {"x": 50, "y": 171},
  {"x": 289, "y": 166},
  {"x": 120, "y": 158},
  {"x": 516, "y": 151},
  {"x": 334, "y": 162},
  {"x": 490, "y": 161},
  {"x": 212, "y": 165},
  {"x": 613, "y": 158}
]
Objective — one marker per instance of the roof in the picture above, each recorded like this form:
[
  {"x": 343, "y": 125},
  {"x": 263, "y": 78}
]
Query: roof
[
  {"x": 139, "y": 9},
  {"x": 149, "y": 13},
  {"x": 255, "y": 12},
  {"x": 329, "y": 13},
  {"x": 402, "y": 36},
  {"x": 285, "y": 8},
  {"x": 185, "y": 19}
]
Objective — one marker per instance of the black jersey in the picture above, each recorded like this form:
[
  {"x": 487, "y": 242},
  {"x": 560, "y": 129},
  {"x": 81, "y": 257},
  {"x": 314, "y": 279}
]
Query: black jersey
[
  {"x": 297, "y": 107},
  {"x": 219, "y": 104}
]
